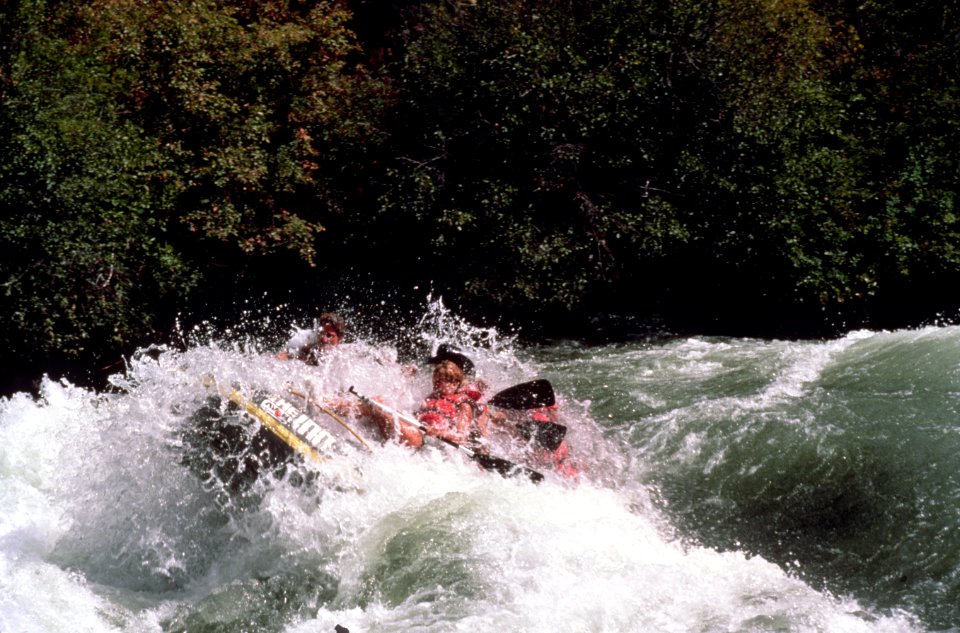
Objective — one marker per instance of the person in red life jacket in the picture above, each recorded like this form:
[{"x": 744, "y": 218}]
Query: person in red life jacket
[
  {"x": 558, "y": 458},
  {"x": 472, "y": 386},
  {"x": 450, "y": 412},
  {"x": 447, "y": 413},
  {"x": 328, "y": 335}
]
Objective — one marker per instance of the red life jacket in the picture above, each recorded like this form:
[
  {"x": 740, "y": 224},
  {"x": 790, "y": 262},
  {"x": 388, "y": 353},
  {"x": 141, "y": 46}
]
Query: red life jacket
[
  {"x": 471, "y": 389},
  {"x": 544, "y": 414},
  {"x": 480, "y": 410},
  {"x": 561, "y": 461},
  {"x": 440, "y": 412}
]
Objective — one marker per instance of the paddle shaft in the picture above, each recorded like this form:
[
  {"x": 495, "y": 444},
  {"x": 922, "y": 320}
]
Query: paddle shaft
[{"x": 330, "y": 413}]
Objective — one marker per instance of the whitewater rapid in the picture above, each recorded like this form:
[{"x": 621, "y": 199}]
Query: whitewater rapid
[{"x": 105, "y": 527}]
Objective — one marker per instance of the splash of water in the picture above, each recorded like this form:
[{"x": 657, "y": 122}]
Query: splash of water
[{"x": 111, "y": 523}]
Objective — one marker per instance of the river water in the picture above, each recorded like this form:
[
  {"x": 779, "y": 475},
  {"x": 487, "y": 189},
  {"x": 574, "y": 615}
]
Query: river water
[{"x": 728, "y": 484}]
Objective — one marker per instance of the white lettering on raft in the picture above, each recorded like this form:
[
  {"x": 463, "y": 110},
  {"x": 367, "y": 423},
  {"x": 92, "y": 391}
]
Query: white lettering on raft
[{"x": 300, "y": 423}]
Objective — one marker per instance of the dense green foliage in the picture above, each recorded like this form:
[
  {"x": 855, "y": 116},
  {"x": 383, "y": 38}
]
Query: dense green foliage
[
  {"x": 153, "y": 150},
  {"x": 82, "y": 235},
  {"x": 623, "y": 145},
  {"x": 710, "y": 152},
  {"x": 534, "y": 137},
  {"x": 701, "y": 159}
]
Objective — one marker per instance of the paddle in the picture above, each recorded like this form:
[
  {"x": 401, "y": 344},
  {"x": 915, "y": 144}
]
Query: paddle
[
  {"x": 500, "y": 465},
  {"x": 532, "y": 395},
  {"x": 547, "y": 434},
  {"x": 526, "y": 395}
]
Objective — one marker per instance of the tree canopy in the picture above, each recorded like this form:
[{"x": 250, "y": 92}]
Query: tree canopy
[{"x": 730, "y": 164}]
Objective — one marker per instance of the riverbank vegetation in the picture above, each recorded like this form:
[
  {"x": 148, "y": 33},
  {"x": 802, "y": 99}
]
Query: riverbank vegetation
[{"x": 750, "y": 167}]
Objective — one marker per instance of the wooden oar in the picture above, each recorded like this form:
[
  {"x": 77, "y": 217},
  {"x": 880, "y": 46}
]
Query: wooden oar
[{"x": 502, "y": 466}]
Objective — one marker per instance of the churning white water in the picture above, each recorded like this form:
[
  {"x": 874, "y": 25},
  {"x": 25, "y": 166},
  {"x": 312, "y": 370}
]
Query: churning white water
[{"x": 107, "y": 523}]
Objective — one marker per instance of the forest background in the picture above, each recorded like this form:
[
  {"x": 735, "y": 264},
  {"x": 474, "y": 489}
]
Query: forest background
[{"x": 743, "y": 167}]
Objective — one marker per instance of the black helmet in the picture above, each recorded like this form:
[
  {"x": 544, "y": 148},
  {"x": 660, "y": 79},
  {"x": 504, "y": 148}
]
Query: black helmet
[{"x": 446, "y": 352}]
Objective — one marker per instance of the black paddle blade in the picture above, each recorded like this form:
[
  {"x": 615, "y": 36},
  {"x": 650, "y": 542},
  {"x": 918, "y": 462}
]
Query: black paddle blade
[
  {"x": 526, "y": 395},
  {"x": 506, "y": 467},
  {"x": 547, "y": 434}
]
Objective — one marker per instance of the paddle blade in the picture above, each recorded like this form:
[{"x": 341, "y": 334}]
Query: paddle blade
[
  {"x": 506, "y": 467},
  {"x": 547, "y": 434},
  {"x": 526, "y": 395}
]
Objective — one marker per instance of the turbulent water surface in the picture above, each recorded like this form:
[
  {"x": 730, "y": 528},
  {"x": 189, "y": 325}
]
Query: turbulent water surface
[{"x": 728, "y": 485}]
